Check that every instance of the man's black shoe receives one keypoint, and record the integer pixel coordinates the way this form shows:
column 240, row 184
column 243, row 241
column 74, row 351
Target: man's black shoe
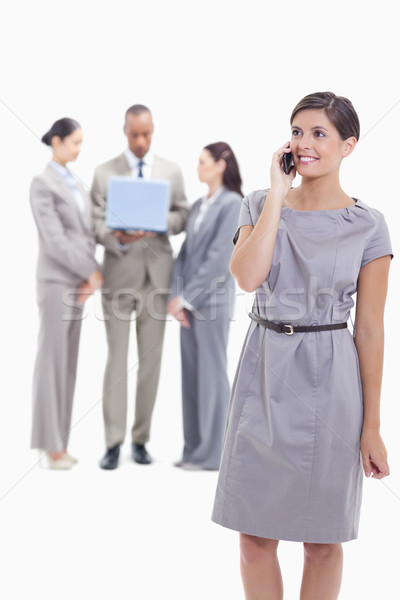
column 110, row 459
column 140, row 454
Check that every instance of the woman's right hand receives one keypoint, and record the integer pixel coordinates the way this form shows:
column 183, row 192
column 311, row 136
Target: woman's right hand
column 95, row 280
column 87, row 288
column 176, row 309
column 84, row 292
column 280, row 182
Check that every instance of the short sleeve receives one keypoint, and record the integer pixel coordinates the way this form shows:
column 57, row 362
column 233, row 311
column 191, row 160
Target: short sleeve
column 378, row 244
column 244, row 217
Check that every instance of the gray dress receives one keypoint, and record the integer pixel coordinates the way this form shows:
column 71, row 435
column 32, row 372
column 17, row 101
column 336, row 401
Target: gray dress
column 291, row 467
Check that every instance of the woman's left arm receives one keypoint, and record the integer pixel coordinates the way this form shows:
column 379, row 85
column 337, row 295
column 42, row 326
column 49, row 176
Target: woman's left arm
column 369, row 340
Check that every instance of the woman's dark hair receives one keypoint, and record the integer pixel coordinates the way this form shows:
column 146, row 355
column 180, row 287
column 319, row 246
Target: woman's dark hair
column 62, row 128
column 231, row 178
column 338, row 109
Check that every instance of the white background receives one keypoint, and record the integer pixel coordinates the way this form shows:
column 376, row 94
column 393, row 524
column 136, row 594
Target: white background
column 209, row 71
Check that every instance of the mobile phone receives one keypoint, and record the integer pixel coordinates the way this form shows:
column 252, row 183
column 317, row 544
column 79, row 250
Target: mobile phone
column 288, row 162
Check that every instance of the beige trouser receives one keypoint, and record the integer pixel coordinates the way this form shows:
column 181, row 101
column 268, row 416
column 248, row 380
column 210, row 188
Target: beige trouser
column 55, row 366
column 149, row 306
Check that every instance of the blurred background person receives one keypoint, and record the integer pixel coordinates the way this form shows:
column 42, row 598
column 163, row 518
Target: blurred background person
column 137, row 278
column 202, row 300
column 67, row 273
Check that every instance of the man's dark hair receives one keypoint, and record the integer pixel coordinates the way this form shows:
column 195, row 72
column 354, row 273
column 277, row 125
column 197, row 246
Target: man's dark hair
column 137, row 109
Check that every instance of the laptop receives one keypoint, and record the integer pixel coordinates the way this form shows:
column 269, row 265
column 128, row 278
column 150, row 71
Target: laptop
column 137, row 204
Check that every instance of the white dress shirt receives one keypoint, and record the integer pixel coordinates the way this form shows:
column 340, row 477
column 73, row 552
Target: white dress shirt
column 133, row 162
column 205, row 205
column 70, row 180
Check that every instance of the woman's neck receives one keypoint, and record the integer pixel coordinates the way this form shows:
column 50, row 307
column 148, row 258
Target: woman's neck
column 214, row 186
column 323, row 193
column 58, row 160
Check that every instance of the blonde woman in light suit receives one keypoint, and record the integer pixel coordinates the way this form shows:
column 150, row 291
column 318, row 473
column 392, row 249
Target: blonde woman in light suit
column 67, row 273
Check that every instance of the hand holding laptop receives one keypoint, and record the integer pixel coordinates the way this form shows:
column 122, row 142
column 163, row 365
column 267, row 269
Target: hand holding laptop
column 128, row 238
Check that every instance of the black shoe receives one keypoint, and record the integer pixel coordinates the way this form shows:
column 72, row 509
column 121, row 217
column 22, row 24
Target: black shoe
column 110, row 459
column 140, row 454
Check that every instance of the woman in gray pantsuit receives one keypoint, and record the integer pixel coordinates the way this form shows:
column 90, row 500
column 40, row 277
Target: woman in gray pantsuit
column 203, row 296
column 306, row 394
column 66, row 274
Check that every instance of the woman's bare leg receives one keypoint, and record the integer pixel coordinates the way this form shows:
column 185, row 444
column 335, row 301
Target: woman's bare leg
column 259, row 566
column 322, row 575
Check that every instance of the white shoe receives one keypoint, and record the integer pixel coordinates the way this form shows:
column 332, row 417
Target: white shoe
column 188, row 466
column 71, row 458
column 60, row 464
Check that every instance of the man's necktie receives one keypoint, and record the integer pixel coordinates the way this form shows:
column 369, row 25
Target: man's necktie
column 140, row 165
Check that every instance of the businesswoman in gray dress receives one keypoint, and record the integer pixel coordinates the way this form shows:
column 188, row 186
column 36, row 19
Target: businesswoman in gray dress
column 202, row 299
column 304, row 415
column 67, row 273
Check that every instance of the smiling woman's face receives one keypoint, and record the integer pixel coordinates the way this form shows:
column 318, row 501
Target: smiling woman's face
column 316, row 145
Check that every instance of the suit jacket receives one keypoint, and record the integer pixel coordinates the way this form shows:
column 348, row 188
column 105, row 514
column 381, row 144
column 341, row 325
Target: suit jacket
column 151, row 256
column 66, row 242
column 201, row 271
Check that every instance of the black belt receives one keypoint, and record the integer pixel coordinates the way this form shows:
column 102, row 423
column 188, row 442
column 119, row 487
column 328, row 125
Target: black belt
column 291, row 329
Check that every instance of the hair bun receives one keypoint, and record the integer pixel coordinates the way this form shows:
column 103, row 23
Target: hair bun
column 62, row 128
column 46, row 139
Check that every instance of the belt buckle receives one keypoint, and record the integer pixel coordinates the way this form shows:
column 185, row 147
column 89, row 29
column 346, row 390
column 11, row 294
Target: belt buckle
column 290, row 332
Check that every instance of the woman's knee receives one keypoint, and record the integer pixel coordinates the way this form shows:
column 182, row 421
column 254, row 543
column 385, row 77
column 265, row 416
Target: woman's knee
column 322, row 552
column 254, row 548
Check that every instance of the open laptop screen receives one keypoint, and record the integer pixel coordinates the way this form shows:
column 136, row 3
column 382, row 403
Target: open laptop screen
column 137, row 204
